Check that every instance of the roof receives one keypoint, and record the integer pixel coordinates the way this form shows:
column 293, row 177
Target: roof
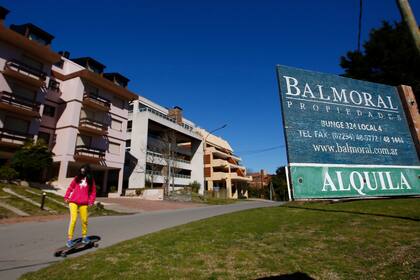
column 35, row 29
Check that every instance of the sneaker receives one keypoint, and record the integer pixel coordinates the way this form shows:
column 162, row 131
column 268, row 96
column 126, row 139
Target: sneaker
column 85, row 240
column 69, row 243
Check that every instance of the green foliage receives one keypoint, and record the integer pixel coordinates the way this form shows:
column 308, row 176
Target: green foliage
column 194, row 186
column 31, row 159
column 8, row 173
column 139, row 191
column 389, row 57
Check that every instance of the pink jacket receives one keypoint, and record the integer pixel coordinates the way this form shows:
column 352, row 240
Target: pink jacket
column 81, row 193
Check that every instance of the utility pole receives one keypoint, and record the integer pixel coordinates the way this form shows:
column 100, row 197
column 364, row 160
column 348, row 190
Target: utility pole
column 409, row 19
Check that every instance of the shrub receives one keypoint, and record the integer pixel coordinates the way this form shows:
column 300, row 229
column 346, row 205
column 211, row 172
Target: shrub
column 195, row 186
column 31, row 159
column 8, row 173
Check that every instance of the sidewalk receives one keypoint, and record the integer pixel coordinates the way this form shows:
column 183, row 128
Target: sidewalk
column 137, row 205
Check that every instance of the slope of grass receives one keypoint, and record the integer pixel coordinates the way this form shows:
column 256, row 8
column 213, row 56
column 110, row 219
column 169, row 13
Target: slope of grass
column 35, row 210
column 377, row 239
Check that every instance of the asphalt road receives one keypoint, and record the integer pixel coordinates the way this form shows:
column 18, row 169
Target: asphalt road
column 30, row 246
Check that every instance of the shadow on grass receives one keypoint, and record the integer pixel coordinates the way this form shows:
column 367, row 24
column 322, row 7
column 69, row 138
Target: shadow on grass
column 354, row 212
column 293, row 276
column 28, row 265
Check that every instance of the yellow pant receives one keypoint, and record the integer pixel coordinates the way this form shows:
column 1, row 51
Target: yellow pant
column 83, row 209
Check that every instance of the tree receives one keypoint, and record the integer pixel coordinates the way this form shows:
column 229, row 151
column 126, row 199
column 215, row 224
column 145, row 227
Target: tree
column 31, row 159
column 280, row 184
column 389, row 57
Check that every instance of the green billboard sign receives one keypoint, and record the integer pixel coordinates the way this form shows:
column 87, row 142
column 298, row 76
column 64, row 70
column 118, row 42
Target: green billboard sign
column 345, row 137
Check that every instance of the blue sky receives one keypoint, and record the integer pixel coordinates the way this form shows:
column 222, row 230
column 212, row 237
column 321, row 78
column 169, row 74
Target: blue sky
column 215, row 59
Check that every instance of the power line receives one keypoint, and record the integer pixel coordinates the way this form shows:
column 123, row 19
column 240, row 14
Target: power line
column 250, row 152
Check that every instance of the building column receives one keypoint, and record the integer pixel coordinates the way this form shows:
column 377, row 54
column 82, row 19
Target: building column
column 210, row 185
column 120, row 181
column 229, row 187
column 229, row 184
column 62, row 173
column 105, row 182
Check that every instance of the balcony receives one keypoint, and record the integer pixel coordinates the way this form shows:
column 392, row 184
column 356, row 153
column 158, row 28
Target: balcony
column 96, row 102
column 20, row 105
column 10, row 138
column 24, row 73
column 93, row 127
column 86, row 153
column 151, row 154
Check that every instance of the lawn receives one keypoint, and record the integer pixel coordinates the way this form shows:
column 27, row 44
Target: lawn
column 373, row 239
column 35, row 195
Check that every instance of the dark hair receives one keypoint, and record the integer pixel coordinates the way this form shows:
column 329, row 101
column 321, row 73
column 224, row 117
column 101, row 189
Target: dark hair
column 88, row 175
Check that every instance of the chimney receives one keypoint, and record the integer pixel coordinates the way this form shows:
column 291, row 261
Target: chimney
column 176, row 113
column 3, row 14
column 65, row 54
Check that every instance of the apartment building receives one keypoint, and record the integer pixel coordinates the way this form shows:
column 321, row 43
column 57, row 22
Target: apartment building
column 26, row 60
column 79, row 110
column 162, row 148
column 260, row 179
column 222, row 169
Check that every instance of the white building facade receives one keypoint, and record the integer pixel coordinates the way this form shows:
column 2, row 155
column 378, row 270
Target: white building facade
column 162, row 148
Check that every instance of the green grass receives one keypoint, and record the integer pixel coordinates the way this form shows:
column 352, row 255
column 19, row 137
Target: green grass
column 35, row 210
column 211, row 200
column 377, row 239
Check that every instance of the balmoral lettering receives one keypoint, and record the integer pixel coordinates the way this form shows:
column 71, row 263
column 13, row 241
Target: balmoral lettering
column 343, row 96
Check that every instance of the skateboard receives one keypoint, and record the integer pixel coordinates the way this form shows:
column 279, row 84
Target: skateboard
column 77, row 246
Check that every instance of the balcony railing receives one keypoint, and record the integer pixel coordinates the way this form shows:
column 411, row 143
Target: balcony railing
column 87, row 151
column 182, row 176
column 97, row 100
column 93, row 126
column 18, row 101
column 91, row 122
column 25, row 69
column 159, row 173
column 14, row 137
column 154, row 154
column 151, row 172
column 166, row 117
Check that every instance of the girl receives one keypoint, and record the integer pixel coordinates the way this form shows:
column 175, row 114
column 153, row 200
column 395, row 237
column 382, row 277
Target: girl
column 80, row 194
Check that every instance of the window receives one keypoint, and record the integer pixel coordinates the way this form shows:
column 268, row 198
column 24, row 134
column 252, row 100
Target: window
column 114, row 148
column 16, row 125
column 84, row 140
column 116, row 124
column 49, row 111
column 54, row 85
column 129, row 126
column 128, row 145
column 59, row 64
column 130, row 107
column 45, row 137
column 36, row 38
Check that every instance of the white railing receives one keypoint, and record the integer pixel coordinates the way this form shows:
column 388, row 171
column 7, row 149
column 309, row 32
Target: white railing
column 154, row 154
column 166, row 117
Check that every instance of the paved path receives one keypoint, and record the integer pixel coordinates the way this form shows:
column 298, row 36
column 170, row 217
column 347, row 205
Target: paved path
column 28, row 247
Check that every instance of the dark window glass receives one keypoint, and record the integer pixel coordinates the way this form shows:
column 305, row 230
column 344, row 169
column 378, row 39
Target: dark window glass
column 49, row 111
column 54, row 85
column 60, row 64
column 44, row 136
